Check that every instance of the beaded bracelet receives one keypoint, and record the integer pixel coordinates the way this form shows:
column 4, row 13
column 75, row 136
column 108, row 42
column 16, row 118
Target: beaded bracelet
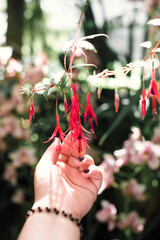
column 63, row 213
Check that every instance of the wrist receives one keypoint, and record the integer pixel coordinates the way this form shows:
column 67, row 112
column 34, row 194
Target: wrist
column 59, row 217
column 45, row 202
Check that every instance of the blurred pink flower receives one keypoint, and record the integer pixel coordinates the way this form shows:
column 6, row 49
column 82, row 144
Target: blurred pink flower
column 132, row 220
column 10, row 174
column 33, row 74
column 137, row 151
column 6, row 107
column 156, row 136
column 11, row 125
column 41, row 60
column 146, row 151
column 18, row 197
column 108, row 168
column 134, row 189
column 24, row 155
column 107, row 214
column 13, row 68
column 123, row 155
column 17, row 99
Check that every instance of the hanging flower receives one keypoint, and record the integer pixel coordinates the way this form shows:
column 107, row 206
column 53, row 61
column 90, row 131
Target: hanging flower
column 154, row 108
column 74, row 110
column 76, row 98
column 31, row 112
column 116, row 102
column 74, row 114
column 143, row 104
column 89, row 113
column 79, row 136
column 57, row 133
column 153, row 88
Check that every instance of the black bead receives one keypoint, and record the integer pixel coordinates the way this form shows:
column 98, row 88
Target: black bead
column 64, row 213
column 39, row 209
column 72, row 219
column 32, row 210
column 48, row 209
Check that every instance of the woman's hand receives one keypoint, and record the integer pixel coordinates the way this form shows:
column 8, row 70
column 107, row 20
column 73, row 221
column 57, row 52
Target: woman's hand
column 68, row 181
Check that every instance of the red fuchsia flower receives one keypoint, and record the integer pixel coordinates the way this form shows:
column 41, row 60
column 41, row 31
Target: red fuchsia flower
column 89, row 113
column 74, row 114
column 153, row 88
column 57, row 133
column 116, row 102
column 75, row 111
column 76, row 98
column 154, row 108
column 31, row 112
column 79, row 136
column 143, row 104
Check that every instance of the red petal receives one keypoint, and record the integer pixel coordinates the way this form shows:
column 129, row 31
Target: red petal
column 154, row 110
column 57, row 130
column 143, row 104
column 116, row 102
column 31, row 112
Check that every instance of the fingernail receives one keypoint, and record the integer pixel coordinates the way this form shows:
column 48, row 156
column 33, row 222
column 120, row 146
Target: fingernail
column 80, row 158
column 85, row 171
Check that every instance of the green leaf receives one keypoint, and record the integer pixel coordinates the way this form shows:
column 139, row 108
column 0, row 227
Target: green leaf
column 155, row 22
column 46, row 92
column 84, row 65
column 63, row 82
column 93, row 36
column 86, row 45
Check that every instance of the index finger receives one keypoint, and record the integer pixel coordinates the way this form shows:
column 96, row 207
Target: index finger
column 52, row 153
column 71, row 149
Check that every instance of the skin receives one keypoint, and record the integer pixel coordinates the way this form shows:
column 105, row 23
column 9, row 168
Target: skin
column 60, row 181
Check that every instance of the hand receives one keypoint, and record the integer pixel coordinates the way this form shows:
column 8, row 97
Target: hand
column 68, row 181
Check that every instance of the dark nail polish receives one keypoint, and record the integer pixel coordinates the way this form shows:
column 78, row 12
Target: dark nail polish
column 80, row 158
column 85, row 170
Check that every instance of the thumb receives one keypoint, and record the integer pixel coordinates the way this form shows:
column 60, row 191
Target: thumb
column 51, row 154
